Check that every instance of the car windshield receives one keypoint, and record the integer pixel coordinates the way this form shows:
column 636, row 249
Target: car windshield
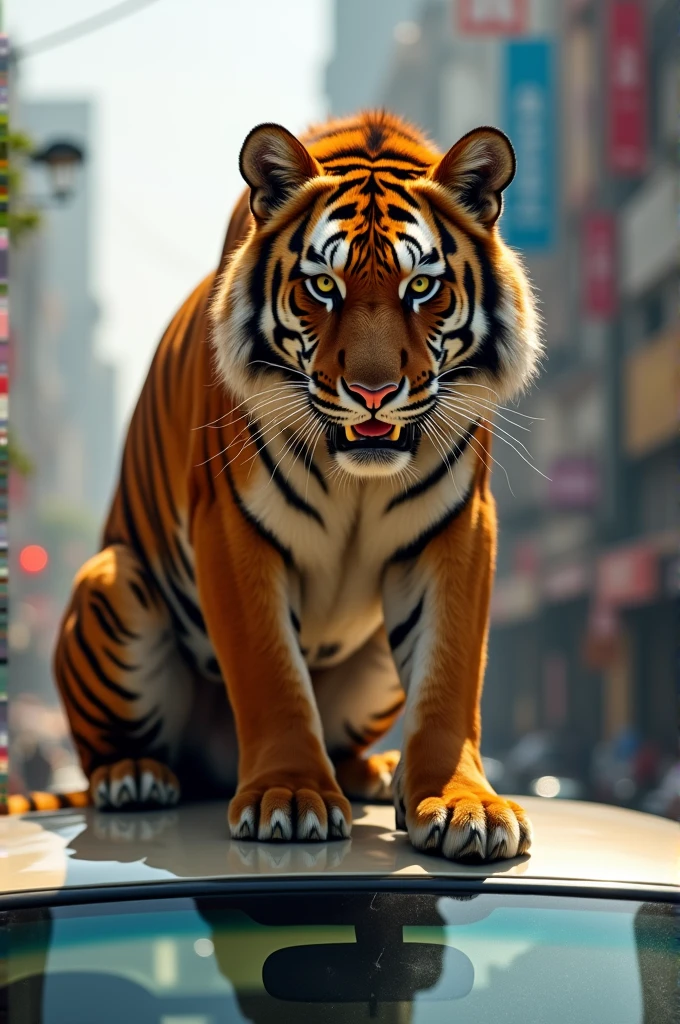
column 343, row 956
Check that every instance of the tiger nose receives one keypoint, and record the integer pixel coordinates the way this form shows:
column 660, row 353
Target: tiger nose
column 373, row 397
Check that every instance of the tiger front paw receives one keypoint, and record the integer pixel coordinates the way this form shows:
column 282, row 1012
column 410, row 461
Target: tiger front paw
column 285, row 809
column 466, row 821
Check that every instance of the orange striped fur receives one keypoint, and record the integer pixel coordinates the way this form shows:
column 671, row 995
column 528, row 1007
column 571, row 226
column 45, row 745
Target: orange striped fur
column 302, row 538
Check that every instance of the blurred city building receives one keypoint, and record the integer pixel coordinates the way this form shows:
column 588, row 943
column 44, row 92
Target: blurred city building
column 62, row 400
column 582, row 671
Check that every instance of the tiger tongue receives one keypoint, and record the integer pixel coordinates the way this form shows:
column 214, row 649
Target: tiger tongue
column 373, row 428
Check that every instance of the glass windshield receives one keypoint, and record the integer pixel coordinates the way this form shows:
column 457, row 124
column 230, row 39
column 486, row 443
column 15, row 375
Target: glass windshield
column 297, row 957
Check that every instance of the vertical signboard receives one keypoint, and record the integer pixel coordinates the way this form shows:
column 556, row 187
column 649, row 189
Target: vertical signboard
column 493, row 17
column 626, row 107
column 598, row 266
column 579, row 157
column 528, row 221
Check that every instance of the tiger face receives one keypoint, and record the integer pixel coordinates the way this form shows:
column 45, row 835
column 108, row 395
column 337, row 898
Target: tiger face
column 375, row 290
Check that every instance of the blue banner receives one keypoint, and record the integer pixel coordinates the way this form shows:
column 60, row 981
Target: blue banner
column 530, row 119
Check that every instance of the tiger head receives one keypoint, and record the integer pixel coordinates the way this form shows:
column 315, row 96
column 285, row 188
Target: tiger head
column 373, row 300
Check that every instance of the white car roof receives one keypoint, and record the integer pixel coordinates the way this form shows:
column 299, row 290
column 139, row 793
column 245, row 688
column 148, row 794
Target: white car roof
column 574, row 843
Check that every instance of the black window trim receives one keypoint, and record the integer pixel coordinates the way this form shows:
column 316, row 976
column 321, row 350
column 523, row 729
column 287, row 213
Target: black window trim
column 316, row 886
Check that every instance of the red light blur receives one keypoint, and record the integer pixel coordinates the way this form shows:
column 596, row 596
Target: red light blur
column 33, row 558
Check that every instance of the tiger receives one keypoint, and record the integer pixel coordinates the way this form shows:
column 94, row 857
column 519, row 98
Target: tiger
column 301, row 544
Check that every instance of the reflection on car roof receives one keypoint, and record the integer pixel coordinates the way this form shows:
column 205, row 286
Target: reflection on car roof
column 573, row 843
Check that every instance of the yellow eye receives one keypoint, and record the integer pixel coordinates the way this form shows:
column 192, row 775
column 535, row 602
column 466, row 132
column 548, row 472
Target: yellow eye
column 420, row 284
column 324, row 283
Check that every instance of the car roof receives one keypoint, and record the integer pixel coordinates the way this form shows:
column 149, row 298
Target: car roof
column 574, row 842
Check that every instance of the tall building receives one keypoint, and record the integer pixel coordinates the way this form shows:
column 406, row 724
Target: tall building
column 62, row 393
column 69, row 375
column 363, row 41
column 583, row 610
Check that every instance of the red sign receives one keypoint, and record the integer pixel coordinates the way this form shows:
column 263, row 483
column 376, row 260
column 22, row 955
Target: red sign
column 493, row 17
column 628, row 576
column 626, row 88
column 599, row 266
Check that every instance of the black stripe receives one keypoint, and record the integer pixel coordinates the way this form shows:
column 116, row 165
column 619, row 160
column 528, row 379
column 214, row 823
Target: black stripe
column 189, row 607
column 338, row 192
column 400, row 632
column 402, row 173
column 322, row 386
column 99, row 596
column 327, row 650
column 290, row 495
column 123, row 665
column 363, row 738
column 417, row 546
column 186, row 564
column 397, row 706
column 296, row 622
column 139, row 593
column 399, row 214
column 285, row 553
column 346, row 212
column 336, row 407
column 126, row 724
column 297, row 238
column 421, row 402
column 406, row 660
column 159, row 453
column 337, row 236
column 436, row 475
column 361, row 154
column 73, row 701
column 135, row 541
column 400, row 191
column 300, row 448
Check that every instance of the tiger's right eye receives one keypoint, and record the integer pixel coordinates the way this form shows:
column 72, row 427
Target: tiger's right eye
column 323, row 288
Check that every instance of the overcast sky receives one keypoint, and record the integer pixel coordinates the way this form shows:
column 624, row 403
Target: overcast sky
column 177, row 86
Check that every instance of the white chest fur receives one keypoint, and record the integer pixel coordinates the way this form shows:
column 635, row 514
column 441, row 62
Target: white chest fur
column 341, row 533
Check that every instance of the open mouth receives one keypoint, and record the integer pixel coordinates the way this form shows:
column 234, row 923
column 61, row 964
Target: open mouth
column 372, row 434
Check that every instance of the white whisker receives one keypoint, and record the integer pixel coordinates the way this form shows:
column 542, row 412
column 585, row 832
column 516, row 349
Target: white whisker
column 258, row 394
column 290, row 406
column 503, row 435
column 281, row 369
column 488, row 407
column 478, row 445
column 471, row 411
column 505, row 408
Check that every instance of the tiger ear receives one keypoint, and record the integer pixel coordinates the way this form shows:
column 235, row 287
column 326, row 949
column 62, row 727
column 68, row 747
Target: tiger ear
column 476, row 170
column 274, row 163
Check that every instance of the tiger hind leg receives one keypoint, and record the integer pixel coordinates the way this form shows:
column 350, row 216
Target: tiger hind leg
column 368, row 778
column 125, row 688
column 359, row 701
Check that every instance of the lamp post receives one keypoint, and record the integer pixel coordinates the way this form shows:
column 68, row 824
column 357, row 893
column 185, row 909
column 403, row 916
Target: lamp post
column 61, row 159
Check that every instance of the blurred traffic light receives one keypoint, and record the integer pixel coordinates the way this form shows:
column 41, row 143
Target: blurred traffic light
column 33, row 558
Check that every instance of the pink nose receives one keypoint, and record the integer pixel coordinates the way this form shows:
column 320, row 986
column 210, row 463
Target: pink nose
column 373, row 397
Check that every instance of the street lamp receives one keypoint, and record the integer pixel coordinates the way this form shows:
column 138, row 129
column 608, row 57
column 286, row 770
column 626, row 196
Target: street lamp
column 62, row 160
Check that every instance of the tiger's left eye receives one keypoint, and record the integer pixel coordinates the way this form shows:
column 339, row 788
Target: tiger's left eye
column 422, row 288
column 420, row 284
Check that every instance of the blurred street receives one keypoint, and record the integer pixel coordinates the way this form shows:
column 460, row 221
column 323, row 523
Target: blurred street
column 581, row 697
